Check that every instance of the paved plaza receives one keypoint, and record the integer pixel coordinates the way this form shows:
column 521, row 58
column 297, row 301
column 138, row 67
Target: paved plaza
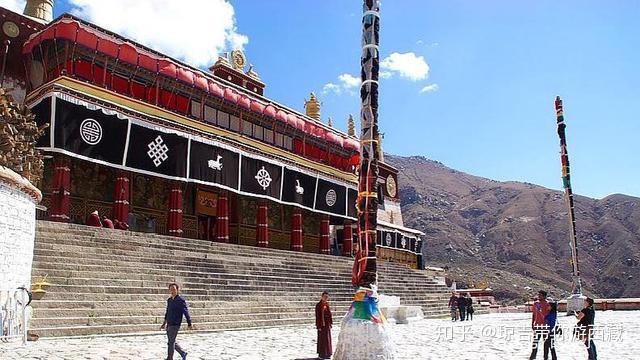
column 496, row 336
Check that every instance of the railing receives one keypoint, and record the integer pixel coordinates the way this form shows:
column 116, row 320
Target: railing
column 15, row 314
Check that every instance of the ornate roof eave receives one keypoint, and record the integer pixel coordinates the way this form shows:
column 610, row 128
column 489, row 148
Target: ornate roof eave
column 239, row 89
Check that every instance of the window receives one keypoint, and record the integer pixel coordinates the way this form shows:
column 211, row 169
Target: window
column 268, row 136
column 223, row 119
column 234, row 123
column 196, row 110
column 209, row 114
column 279, row 140
column 247, row 128
column 258, row 132
column 288, row 143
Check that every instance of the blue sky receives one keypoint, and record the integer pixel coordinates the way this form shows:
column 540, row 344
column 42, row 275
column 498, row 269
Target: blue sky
column 494, row 68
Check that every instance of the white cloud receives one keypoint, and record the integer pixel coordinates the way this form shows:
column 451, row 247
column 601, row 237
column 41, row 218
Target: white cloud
column 13, row 5
column 346, row 83
column 385, row 74
column 331, row 88
column 407, row 65
column 429, row 88
column 195, row 31
column 349, row 81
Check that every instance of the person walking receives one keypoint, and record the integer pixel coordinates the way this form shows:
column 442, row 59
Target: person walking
column 469, row 307
column 324, row 320
column 462, row 307
column 550, row 340
column 176, row 308
column 453, row 305
column 586, row 319
column 538, row 321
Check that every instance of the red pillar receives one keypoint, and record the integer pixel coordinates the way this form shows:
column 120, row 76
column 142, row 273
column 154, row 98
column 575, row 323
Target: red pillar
column 174, row 223
column 296, row 229
column 222, row 222
column 262, row 225
column 347, row 238
column 120, row 209
column 324, row 235
column 60, row 187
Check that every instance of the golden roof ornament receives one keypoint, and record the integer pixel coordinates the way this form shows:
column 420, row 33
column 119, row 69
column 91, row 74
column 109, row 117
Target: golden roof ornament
column 312, row 107
column 39, row 9
column 252, row 73
column 223, row 60
column 352, row 126
column 18, row 135
column 238, row 60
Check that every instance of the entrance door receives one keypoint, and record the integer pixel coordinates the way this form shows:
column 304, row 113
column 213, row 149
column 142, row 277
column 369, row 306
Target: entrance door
column 207, row 227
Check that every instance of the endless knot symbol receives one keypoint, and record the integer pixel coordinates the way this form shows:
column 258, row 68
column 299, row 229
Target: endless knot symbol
column 90, row 131
column 263, row 177
column 331, row 197
column 158, row 151
column 387, row 239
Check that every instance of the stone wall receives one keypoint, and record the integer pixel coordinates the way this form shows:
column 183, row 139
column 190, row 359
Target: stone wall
column 17, row 230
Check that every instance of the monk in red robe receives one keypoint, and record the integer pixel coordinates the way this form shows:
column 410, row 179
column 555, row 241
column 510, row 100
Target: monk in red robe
column 324, row 320
column 94, row 219
column 106, row 222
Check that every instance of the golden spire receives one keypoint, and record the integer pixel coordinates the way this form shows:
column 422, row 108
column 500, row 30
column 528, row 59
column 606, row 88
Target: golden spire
column 352, row 126
column 312, row 107
column 39, row 9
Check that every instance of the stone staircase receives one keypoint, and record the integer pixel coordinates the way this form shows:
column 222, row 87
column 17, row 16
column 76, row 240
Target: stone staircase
column 109, row 281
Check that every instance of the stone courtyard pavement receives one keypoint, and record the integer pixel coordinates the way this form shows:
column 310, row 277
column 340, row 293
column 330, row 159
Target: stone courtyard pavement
column 496, row 336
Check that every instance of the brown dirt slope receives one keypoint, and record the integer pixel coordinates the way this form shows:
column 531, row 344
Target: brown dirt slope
column 514, row 236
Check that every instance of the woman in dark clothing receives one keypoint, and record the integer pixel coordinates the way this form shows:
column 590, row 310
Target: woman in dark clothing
column 550, row 341
column 586, row 318
column 469, row 307
column 453, row 305
column 462, row 307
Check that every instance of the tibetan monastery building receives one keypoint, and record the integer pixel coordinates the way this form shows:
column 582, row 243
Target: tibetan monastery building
column 168, row 148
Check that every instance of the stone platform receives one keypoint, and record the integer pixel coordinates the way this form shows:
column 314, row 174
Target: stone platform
column 110, row 281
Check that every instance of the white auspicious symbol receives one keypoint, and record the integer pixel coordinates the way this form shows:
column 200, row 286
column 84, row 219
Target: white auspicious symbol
column 331, row 197
column 90, row 131
column 404, row 243
column 158, row 151
column 263, row 177
column 215, row 164
column 299, row 189
column 387, row 239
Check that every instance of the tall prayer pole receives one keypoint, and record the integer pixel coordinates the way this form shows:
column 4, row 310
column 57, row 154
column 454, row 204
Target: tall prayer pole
column 363, row 334
column 574, row 302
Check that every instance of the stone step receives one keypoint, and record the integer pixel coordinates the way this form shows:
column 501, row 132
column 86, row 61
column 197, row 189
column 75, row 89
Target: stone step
column 161, row 304
column 106, row 281
column 154, row 328
column 252, row 308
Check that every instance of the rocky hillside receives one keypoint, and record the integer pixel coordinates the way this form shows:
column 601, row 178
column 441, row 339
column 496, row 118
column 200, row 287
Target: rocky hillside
column 514, row 236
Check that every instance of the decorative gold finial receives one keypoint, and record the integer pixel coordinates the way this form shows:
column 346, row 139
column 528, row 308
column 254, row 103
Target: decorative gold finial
column 312, row 107
column 352, row 126
column 238, row 60
column 252, row 73
column 223, row 59
column 39, row 9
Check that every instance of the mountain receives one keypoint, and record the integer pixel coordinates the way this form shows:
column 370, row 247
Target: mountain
column 514, row 237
